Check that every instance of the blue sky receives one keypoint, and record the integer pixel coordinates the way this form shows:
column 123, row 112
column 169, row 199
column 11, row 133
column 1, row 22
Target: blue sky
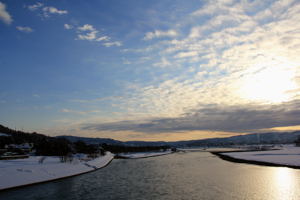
column 149, row 70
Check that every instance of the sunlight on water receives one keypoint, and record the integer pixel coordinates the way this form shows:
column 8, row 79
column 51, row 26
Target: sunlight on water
column 284, row 180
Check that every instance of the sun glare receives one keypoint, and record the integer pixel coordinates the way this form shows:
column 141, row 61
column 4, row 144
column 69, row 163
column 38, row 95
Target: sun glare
column 269, row 84
column 284, row 183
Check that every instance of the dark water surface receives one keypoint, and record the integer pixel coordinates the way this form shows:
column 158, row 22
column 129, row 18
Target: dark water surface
column 197, row 175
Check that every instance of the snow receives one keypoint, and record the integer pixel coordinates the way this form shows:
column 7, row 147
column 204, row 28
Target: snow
column 20, row 172
column 288, row 155
column 144, row 154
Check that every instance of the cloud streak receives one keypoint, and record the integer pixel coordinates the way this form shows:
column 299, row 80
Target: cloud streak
column 159, row 34
column 90, row 33
column 213, row 118
column 79, row 112
column 52, row 10
column 46, row 11
column 68, row 26
column 35, row 6
column 24, row 29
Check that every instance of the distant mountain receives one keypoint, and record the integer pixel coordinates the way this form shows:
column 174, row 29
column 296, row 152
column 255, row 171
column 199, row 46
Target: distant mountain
column 254, row 138
column 112, row 141
column 92, row 140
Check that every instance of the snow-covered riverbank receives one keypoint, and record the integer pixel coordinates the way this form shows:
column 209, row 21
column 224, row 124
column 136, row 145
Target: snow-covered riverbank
column 288, row 155
column 143, row 154
column 19, row 172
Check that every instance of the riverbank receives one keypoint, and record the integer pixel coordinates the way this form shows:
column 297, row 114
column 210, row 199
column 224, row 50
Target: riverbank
column 287, row 156
column 29, row 171
column 142, row 155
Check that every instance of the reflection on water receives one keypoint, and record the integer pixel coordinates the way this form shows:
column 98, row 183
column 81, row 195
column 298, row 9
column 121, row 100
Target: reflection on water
column 284, row 181
column 195, row 175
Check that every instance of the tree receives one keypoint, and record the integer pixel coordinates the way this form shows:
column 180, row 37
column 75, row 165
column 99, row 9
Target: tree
column 297, row 142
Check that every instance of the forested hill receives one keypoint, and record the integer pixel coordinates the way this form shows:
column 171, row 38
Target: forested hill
column 20, row 137
column 44, row 145
column 63, row 145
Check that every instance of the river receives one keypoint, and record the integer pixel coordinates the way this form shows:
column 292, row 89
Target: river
column 193, row 175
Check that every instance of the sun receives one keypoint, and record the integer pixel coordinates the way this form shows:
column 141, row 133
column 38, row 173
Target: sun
column 270, row 84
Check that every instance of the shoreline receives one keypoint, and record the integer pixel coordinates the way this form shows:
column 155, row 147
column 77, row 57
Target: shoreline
column 78, row 174
column 56, row 179
column 141, row 157
column 253, row 162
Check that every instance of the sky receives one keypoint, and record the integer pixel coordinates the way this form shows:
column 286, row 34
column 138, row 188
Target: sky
column 150, row 70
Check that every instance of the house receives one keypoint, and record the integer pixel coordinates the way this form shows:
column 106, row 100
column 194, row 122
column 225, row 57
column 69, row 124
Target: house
column 4, row 135
column 25, row 147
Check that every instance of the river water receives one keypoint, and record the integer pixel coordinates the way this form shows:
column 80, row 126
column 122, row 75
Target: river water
column 194, row 175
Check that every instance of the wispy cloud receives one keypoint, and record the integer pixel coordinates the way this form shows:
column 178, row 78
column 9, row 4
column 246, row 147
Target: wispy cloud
column 87, row 32
column 35, row 6
column 90, row 36
column 159, row 34
column 79, row 112
column 4, row 15
column 163, row 63
column 186, row 54
column 68, row 26
column 46, row 11
column 25, row 29
column 52, row 10
column 90, row 33
column 110, row 44
column 103, row 38
column 86, row 27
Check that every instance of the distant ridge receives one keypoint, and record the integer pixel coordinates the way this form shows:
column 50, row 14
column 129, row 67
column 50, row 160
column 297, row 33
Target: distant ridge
column 253, row 138
column 112, row 141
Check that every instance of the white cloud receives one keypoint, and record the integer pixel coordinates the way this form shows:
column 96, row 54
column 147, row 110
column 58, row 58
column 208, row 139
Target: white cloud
column 52, row 10
column 103, row 38
column 46, row 11
column 68, row 26
column 24, row 29
column 91, row 36
column 90, row 33
column 110, row 44
column 35, row 6
column 159, row 33
column 163, row 63
column 186, row 54
column 86, row 27
column 202, row 74
column 87, row 32
column 4, row 15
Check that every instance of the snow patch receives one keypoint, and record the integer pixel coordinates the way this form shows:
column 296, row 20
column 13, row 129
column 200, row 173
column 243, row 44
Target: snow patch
column 143, row 154
column 288, row 155
column 20, row 172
